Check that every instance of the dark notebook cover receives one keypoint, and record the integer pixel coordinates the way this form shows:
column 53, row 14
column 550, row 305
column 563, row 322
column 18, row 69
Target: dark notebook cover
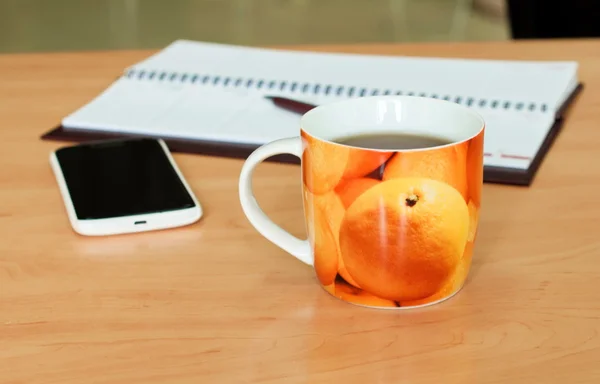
column 499, row 175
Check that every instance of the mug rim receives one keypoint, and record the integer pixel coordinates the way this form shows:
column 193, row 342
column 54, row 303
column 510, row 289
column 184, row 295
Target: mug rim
column 460, row 107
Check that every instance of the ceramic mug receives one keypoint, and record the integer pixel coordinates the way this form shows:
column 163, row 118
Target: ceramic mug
column 386, row 228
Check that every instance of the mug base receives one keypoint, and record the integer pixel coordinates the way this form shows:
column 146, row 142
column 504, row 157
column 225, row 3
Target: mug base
column 351, row 295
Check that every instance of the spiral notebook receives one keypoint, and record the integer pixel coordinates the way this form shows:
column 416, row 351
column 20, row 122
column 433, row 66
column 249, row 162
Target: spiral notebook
column 212, row 99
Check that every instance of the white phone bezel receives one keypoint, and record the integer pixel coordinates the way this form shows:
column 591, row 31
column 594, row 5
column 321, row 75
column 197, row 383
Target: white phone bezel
column 128, row 224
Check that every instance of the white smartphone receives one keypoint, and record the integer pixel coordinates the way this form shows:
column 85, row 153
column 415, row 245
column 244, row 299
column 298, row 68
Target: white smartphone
column 123, row 186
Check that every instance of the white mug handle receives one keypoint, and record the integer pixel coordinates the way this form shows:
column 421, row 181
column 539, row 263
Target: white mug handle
column 265, row 226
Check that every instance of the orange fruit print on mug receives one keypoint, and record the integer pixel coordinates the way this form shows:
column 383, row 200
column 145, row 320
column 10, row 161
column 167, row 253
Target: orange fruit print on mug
column 392, row 229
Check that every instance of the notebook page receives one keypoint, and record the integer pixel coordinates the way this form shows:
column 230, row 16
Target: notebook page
column 512, row 140
column 539, row 83
column 199, row 91
column 122, row 105
column 185, row 111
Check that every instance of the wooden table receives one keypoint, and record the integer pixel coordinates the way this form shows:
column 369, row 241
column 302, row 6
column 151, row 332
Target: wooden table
column 215, row 302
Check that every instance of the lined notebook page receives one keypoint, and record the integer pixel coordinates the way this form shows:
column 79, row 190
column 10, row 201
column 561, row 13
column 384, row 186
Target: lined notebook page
column 215, row 92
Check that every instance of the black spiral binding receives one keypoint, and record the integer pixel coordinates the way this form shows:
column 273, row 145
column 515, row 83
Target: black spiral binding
column 317, row 89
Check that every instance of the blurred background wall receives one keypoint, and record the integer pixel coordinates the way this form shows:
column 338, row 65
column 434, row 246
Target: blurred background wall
column 57, row 25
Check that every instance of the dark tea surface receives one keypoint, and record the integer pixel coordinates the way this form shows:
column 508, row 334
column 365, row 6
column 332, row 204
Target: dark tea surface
column 393, row 141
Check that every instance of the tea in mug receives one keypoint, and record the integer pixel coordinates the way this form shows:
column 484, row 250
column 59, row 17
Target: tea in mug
column 394, row 141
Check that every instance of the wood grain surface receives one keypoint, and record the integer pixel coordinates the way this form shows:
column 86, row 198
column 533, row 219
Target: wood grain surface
column 216, row 303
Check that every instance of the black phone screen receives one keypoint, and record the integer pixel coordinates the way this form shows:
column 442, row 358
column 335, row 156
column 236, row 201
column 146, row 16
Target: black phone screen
column 121, row 178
